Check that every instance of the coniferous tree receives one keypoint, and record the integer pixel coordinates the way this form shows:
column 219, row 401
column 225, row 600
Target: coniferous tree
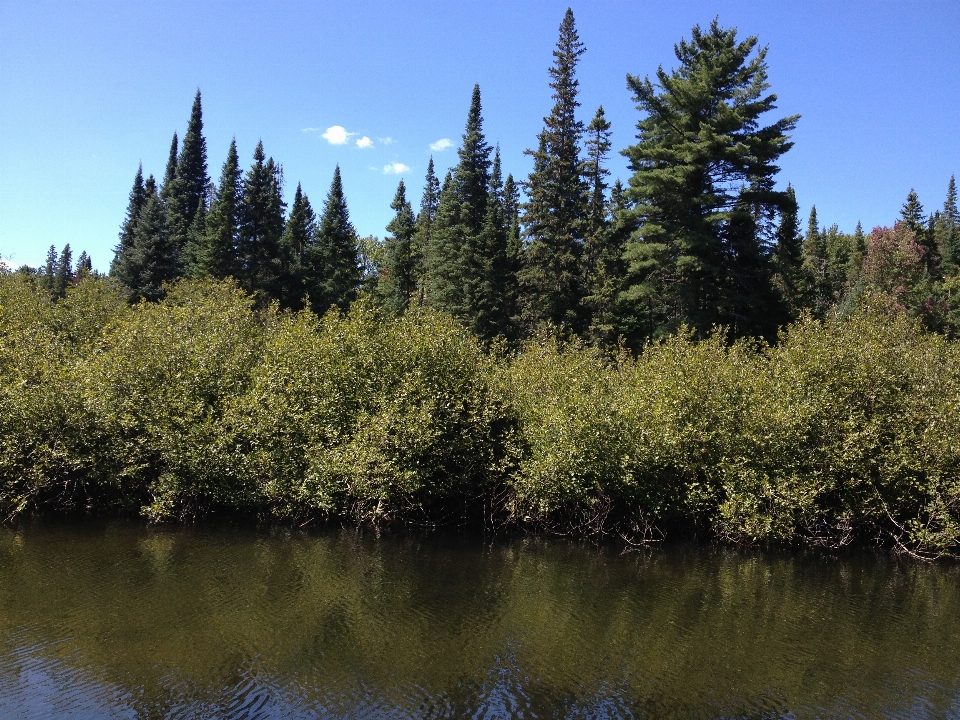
column 491, row 316
column 298, row 236
column 84, row 266
column 947, row 232
column 170, row 174
column 190, row 185
column 219, row 253
column 698, row 256
column 556, row 208
column 49, row 278
column 397, row 282
column 429, row 202
column 64, row 272
column 605, row 279
column 332, row 265
column 596, row 227
column 456, row 258
column 914, row 217
column 816, row 265
column 790, row 277
column 154, row 258
column 138, row 196
column 511, row 214
column 260, row 225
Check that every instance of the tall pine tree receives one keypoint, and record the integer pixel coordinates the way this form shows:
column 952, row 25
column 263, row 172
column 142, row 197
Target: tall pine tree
column 429, row 203
column 332, row 265
column 790, row 277
column 704, row 170
column 190, row 185
column 260, row 224
column 170, row 174
column 154, row 258
column 555, row 213
column 947, row 232
column 913, row 216
column 397, row 278
column 298, row 235
column 138, row 196
column 219, row 254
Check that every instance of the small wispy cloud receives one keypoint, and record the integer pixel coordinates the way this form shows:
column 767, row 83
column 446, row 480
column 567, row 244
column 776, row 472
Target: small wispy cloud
column 8, row 264
column 441, row 144
column 337, row 135
column 395, row 169
column 364, row 142
column 309, row 130
column 386, row 140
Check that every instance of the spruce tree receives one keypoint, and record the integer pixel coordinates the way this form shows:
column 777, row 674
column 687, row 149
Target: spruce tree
column 604, row 281
column 298, row 236
column 913, row 216
column 261, row 224
column 138, row 196
column 84, row 266
column 702, row 187
column 790, row 277
column 491, row 312
column 816, row 264
column 596, row 226
column 457, row 262
column 446, row 255
column 332, row 265
column 64, row 275
column 947, row 232
column 397, row 279
column 48, row 280
column 511, row 214
column 190, row 185
column 154, row 258
column 556, row 209
column 429, row 202
column 219, row 254
column 170, row 175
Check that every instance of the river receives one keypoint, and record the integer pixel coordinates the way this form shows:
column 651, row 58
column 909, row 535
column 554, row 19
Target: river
column 118, row 620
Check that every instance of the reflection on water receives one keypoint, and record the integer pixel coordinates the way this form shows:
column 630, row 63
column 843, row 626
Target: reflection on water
column 118, row 620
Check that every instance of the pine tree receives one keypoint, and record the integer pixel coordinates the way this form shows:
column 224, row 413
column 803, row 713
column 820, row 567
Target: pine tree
column 138, row 196
column 456, row 258
column 816, row 265
column 170, row 175
column 947, row 232
column 446, row 256
column 48, row 280
column 556, row 209
column 511, row 214
column 298, row 235
column 596, row 235
column 64, row 275
column 790, row 277
column 190, row 184
column 605, row 279
column 397, row 280
column 154, row 258
column 219, row 254
column 332, row 266
column 429, row 202
column 698, row 256
column 913, row 216
column 84, row 266
column 261, row 224
column 491, row 316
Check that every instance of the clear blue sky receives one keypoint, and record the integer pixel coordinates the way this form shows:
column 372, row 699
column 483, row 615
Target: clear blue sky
column 88, row 89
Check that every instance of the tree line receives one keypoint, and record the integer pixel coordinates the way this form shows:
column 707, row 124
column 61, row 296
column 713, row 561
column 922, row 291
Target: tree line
column 699, row 237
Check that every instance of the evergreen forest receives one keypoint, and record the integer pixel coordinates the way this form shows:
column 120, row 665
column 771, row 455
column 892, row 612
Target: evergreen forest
column 677, row 355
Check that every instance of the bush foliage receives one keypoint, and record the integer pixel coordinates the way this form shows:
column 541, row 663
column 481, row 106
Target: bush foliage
column 843, row 430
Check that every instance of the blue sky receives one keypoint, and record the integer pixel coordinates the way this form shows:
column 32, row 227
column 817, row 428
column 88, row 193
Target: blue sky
column 89, row 89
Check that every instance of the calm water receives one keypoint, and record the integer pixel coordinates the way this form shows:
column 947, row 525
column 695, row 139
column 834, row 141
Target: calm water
column 118, row 620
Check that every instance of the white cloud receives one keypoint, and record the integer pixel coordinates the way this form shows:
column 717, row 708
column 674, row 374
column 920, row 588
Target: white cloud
column 11, row 266
column 337, row 135
column 309, row 129
column 395, row 169
column 386, row 140
column 364, row 142
column 441, row 144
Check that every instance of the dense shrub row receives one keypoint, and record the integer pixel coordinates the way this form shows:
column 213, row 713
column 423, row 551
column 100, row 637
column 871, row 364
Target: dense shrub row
column 846, row 429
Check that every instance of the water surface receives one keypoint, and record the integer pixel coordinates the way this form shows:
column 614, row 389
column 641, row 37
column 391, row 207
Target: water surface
column 120, row 620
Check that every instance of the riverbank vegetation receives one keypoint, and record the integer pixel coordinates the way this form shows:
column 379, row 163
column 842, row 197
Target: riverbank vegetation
column 563, row 354
column 845, row 429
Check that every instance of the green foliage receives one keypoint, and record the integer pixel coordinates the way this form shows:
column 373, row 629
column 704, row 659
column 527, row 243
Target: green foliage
column 843, row 430
column 398, row 281
column 555, row 214
column 185, row 189
column 330, row 268
column 702, row 190
column 260, row 227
